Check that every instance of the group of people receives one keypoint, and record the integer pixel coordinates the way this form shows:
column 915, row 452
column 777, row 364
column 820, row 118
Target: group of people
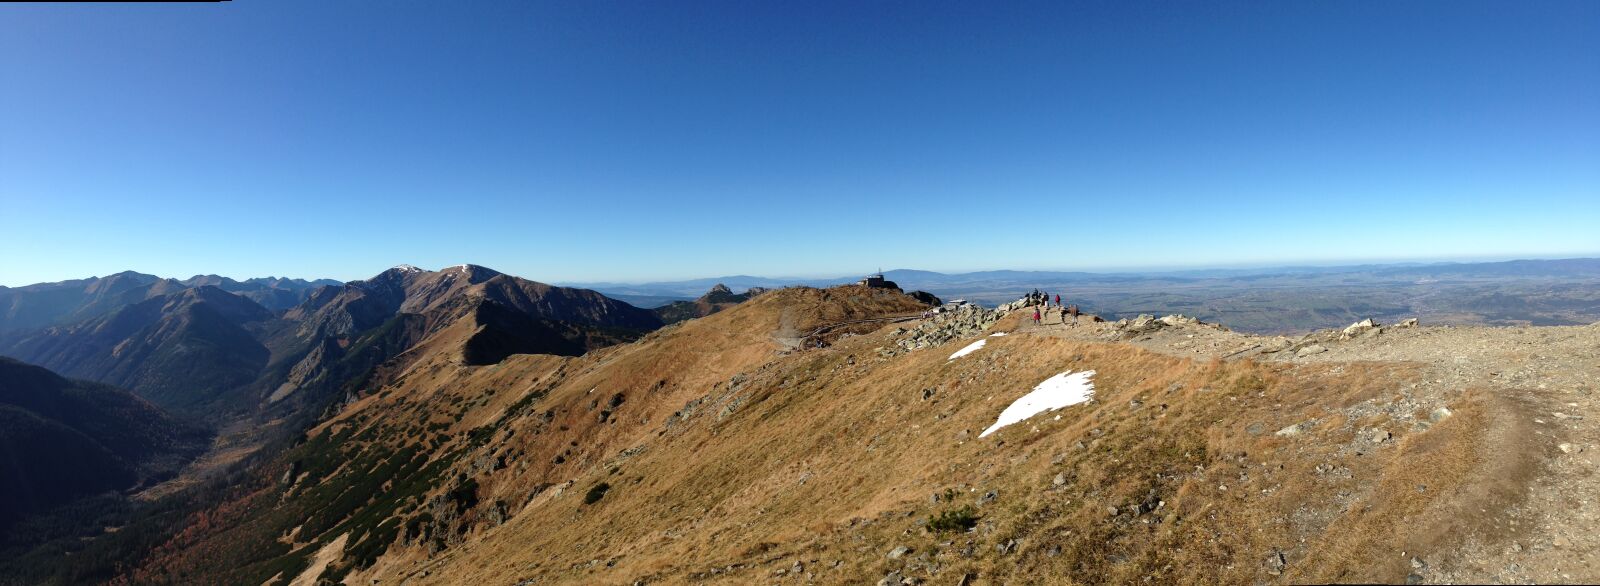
column 1040, row 300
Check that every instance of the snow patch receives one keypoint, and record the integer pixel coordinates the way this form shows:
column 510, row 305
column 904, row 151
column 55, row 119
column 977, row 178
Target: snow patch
column 973, row 347
column 997, row 334
column 1067, row 388
column 407, row 269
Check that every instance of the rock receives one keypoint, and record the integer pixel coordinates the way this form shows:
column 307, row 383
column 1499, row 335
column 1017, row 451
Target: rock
column 1179, row 320
column 1275, row 563
column 1439, row 414
column 1112, row 511
column 1567, row 448
column 1007, row 547
column 1310, row 350
column 891, row 579
column 1418, row 564
column 1255, row 428
column 898, row 552
column 1407, row 323
column 1293, row 430
column 988, row 497
column 1414, row 578
column 1141, row 324
column 1379, row 436
column 1359, row 328
column 1061, row 479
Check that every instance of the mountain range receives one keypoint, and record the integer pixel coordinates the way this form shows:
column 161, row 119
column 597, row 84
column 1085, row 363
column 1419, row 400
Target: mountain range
column 464, row 426
column 211, row 344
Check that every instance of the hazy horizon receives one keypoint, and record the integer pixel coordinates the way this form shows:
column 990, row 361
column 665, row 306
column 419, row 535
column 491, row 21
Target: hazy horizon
column 780, row 275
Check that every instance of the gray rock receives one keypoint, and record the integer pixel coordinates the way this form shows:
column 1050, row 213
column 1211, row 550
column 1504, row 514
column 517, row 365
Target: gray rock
column 1293, row 430
column 1359, row 328
column 898, row 552
column 1006, row 547
column 1060, row 479
column 1275, row 563
column 1310, row 350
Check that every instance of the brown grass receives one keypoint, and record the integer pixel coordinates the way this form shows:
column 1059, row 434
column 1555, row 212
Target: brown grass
column 829, row 457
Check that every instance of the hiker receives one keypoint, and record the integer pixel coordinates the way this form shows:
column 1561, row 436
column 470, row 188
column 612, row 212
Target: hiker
column 1058, row 300
column 1074, row 311
column 1035, row 316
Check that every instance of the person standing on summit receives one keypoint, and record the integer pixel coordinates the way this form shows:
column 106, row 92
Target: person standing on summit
column 1035, row 316
column 1058, row 300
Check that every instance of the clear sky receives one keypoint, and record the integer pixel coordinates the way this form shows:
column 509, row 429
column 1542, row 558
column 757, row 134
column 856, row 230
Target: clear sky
column 642, row 140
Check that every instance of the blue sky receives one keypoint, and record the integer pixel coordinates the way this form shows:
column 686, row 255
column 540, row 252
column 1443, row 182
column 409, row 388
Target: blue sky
column 637, row 141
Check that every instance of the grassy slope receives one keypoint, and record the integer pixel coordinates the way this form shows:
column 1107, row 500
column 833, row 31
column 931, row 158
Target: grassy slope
column 728, row 460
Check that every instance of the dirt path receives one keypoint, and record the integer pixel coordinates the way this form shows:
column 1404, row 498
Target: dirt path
column 1545, row 381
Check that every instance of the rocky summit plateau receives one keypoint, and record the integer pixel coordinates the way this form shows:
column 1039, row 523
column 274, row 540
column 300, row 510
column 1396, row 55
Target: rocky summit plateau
column 466, row 426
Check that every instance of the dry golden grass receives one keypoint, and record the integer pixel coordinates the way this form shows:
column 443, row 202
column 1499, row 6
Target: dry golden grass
column 829, row 457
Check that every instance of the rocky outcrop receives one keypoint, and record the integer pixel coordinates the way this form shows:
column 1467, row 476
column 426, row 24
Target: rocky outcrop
column 1146, row 323
column 926, row 297
column 963, row 321
column 1361, row 327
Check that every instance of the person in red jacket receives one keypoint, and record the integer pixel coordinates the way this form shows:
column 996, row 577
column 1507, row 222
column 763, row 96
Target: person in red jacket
column 1058, row 300
column 1036, row 316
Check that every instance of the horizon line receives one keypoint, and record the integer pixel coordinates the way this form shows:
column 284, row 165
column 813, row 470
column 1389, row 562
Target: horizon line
column 1110, row 270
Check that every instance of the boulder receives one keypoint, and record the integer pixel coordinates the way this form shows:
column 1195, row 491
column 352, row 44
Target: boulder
column 926, row 298
column 1360, row 327
column 1179, row 320
column 1293, row 430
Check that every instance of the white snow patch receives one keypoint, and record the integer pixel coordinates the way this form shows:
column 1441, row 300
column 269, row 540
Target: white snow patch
column 407, row 269
column 973, row 347
column 1067, row 388
column 997, row 334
